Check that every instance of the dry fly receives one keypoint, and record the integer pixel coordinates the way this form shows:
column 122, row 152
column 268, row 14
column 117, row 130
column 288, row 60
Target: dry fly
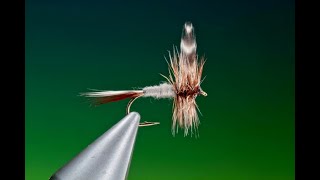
column 183, row 85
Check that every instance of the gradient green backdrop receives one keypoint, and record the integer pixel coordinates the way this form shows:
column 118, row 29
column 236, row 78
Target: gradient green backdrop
column 247, row 127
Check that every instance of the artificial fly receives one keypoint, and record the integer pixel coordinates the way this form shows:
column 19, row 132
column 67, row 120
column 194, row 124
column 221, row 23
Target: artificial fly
column 183, row 85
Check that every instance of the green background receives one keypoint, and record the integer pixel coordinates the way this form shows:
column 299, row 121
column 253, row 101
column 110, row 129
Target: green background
column 247, row 127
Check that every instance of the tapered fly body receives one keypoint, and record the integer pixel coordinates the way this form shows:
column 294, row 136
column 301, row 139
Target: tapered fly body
column 183, row 85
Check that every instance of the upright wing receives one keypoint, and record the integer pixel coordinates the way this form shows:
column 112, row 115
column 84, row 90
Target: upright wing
column 188, row 44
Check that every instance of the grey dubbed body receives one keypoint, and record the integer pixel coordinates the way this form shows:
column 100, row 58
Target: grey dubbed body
column 164, row 90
